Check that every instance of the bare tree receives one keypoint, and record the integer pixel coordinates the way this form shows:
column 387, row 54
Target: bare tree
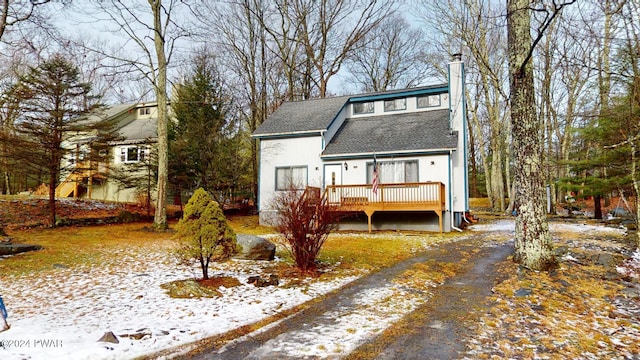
column 629, row 76
column 153, row 31
column 533, row 248
column 243, row 37
column 283, row 31
column 330, row 31
column 12, row 13
column 389, row 56
column 475, row 28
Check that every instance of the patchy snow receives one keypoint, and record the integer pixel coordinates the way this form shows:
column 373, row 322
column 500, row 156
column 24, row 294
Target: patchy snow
column 346, row 327
column 631, row 267
column 585, row 228
column 62, row 314
column 499, row 225
column 508, row 225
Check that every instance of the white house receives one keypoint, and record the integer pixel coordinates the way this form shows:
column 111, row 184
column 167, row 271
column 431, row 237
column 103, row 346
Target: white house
column 136, row 125
column 416, row 137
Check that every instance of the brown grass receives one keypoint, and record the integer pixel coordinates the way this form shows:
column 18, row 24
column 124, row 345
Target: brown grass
column 75, row 246
column 568, row 314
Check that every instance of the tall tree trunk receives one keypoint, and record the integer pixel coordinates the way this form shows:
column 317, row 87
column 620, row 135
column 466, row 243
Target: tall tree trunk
column 497, row 179
column 52, row 200
column 636, row 187
column 597, row 207
column 473, row 165
column 160, row 218
column 533, row 247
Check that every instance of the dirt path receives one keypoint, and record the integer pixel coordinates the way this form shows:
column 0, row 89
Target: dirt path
column 434, row 330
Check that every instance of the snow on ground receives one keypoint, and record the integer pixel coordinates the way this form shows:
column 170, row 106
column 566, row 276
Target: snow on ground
column 631, row 267
column 508, row 225
column 63, row 314
column 378, row 308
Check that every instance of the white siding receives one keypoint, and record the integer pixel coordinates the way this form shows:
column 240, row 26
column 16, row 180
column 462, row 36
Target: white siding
column 356, row 172
column 275, row 153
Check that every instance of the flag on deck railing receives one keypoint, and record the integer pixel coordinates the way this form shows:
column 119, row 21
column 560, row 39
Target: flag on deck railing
column 374, row 181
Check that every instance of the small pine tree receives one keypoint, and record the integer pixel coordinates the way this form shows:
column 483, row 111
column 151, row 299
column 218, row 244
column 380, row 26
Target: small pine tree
column 204, row 233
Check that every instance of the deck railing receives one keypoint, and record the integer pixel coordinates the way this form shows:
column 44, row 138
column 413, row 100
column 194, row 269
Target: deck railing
column 427, row 196
column 413, row 195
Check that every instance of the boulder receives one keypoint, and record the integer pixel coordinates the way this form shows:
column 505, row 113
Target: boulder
column 255, row 248
column 109, row 337
column 12, row 249
column 138, row 334
column 605, row 259
column 523, row 292
column 258, row 281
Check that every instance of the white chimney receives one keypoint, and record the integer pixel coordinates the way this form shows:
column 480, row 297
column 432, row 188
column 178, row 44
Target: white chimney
column 458, row 123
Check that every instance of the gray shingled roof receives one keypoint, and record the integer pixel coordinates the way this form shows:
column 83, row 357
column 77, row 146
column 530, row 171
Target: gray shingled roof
column 315, row 115
column 108, row 112
column 138, row 131
column 397, row 133
column 302, row 116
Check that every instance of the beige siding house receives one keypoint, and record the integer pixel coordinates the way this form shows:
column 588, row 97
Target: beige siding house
column 136, row 125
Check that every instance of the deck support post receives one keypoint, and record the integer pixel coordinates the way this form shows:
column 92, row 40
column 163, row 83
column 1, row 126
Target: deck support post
column 76, row 187
column 369, row 213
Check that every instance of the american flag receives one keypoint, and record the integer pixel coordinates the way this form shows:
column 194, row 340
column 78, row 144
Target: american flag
column 374, row 182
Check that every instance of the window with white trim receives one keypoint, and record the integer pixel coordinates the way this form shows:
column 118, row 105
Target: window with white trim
column 291, row 177
column 77, row 156
column 395, row 104
column 394, row 172
column 363, row 108
column 429, row 101
column 144, row 111
column 132, row 154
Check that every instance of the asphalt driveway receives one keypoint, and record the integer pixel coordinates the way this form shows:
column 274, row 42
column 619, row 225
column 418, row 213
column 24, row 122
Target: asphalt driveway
column 435, row 330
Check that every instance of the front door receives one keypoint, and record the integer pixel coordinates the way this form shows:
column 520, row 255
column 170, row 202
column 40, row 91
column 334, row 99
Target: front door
column 332, row 175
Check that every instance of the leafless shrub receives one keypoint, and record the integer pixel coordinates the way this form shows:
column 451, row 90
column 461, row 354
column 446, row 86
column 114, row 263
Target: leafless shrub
column 305, row 219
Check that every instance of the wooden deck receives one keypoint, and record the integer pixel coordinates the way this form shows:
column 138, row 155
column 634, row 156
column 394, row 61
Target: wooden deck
column 83, row 170
column 429, row 196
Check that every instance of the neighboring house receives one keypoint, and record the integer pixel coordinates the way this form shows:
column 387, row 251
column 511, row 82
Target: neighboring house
column 136, row 125
column 416, row 137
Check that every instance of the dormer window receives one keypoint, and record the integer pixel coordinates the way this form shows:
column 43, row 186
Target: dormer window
column 363, row 108
column 395, row 104
column 429, row 101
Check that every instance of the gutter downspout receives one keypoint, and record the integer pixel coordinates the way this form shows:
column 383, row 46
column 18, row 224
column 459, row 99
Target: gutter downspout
column 464, row 217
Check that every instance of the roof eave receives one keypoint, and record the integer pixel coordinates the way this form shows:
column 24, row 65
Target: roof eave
column 133, row 141
column 291, row 134
column 363, row 155
column 422, row 91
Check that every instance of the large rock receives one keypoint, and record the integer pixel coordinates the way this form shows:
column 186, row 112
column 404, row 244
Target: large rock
column 255, row 248
column 12, row 249
column 109, row 337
